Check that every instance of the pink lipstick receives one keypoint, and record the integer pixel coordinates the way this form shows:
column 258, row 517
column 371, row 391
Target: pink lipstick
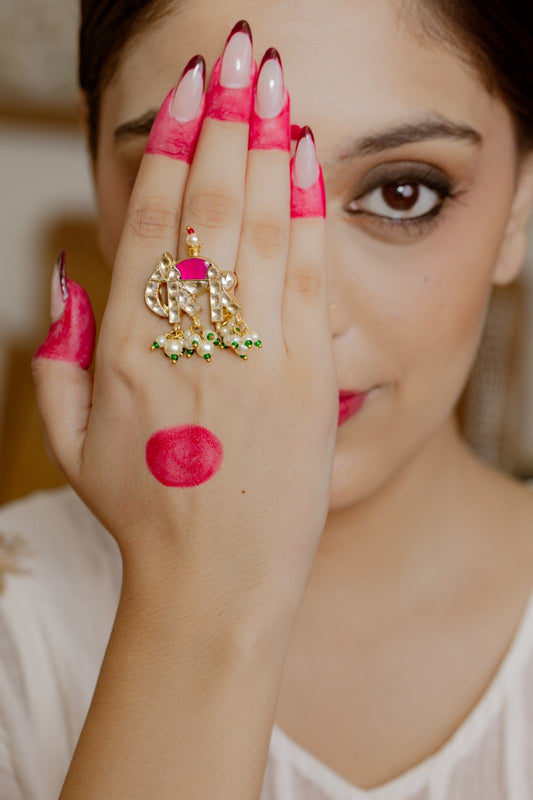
column 349, row 404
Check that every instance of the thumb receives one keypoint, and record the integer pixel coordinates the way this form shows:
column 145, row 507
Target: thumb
column 62, row 383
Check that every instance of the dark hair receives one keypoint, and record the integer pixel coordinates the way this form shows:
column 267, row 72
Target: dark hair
column 495, row 36
column 107, row 27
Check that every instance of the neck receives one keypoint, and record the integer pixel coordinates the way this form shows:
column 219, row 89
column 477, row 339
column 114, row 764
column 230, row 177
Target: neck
column 411, row 521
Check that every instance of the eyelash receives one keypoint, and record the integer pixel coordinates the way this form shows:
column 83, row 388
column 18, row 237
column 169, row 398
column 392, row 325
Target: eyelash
column 423, row 176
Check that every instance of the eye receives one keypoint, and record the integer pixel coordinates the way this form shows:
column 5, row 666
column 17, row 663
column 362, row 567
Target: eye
column 399, row 200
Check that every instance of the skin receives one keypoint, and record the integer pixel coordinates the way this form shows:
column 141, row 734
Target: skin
column 426, row 557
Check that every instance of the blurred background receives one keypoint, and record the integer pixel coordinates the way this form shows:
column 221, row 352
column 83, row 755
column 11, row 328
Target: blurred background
column 46, row 203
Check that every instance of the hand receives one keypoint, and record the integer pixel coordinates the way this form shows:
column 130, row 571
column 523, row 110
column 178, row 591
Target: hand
column 255, row 524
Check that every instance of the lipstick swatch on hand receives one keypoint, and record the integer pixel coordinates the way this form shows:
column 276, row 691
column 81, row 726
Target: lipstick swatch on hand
column 184, row 456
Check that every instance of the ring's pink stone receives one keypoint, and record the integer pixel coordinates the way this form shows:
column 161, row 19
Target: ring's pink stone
column 194, row 269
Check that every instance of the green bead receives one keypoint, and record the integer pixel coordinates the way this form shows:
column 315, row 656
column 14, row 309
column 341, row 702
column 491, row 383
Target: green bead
column 174, row 357
column 210, row 337
column 248, row 343
column 224, row 346
column 244, row 358
column 207, row 356
column 258, row 343
column 155, row 345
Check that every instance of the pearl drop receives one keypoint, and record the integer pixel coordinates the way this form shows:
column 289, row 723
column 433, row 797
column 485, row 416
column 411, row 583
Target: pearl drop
column 204, row 348
column 225, row 330
column 173, row 347
column 232, row 339
column 242, row 350
column 161, row 341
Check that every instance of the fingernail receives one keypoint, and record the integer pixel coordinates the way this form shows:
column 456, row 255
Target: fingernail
column 58, row 288
column 187, row 100
column 71, row 335
column 306, row 168
column 237, row 59
column 270, row 90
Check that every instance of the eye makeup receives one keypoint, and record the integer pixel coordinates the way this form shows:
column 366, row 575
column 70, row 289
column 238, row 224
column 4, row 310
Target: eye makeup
column 387, row 197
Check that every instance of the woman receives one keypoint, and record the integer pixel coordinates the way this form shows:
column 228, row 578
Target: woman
column 306, row 540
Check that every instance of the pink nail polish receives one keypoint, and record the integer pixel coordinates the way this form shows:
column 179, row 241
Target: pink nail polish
column 72, row 335
column 270, row 122
column 188, row 96
column 237, row 58
column 270, row 88
column 305, row 161
column 230, row 92
column 58, row 288
column 176, row 137
column 308, row 198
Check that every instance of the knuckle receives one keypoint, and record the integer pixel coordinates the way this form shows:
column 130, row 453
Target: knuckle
column 151, row 218
column 120, row 366
column 212, row 208
column 307, row 284
column 266, row 235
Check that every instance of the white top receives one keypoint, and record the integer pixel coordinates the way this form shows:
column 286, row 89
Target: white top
column 55, row 620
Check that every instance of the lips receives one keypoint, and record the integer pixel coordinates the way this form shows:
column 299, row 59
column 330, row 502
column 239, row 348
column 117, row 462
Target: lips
column 349, row 404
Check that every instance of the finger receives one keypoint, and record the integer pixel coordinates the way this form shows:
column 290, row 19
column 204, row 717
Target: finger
column 305, row 297
column 63, row 384
column 214, row 196
column 262, row 257
column 152, row 220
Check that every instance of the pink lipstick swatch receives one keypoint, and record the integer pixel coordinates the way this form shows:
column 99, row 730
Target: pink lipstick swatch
column 71, row 337
column 229, row 105
column 185, row 456
column 172, row 138
column 308, row 202
column 271, row 134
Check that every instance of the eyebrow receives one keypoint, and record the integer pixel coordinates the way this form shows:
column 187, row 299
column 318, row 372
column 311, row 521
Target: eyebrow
column 371, row 144
column 140, row 126
column 410, row 133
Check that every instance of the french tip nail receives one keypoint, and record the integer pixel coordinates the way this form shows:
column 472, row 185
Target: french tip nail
column 306, row 166
column 306, row 131
column 270, row 53
column 59, row 287
column 196, row 61
column 241, row 27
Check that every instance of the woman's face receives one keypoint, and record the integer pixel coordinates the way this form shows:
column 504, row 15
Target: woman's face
column 420, row 171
